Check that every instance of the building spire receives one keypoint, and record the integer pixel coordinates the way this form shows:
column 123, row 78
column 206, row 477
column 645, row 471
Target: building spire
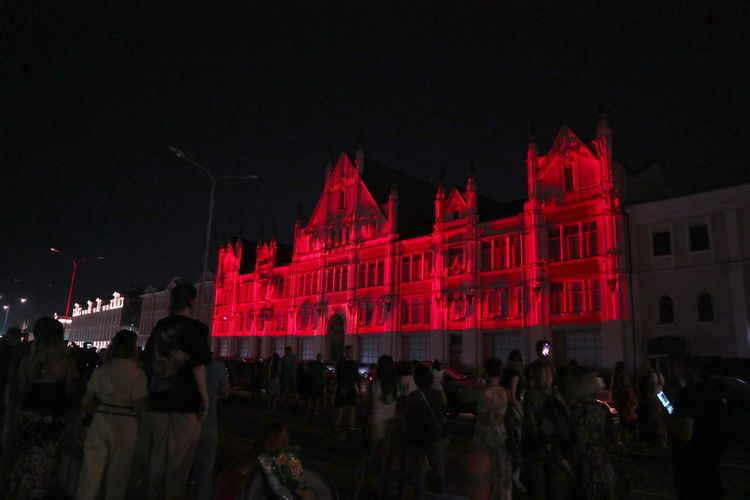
column 533, row 150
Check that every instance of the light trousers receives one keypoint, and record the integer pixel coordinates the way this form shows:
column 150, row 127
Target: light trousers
column 174, row 439
column 107, row 455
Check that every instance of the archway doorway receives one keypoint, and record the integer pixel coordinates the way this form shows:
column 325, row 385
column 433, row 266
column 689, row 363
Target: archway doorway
column 335, row 337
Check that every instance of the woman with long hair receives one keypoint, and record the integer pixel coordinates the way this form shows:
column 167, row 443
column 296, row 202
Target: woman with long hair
column 274, row 382
column 592, row 429
column 45, row 379
column 383, row 399
column 490, row 434
column 120, row 387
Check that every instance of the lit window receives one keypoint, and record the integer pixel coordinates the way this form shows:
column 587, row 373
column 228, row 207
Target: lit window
column 368, row 350
column 705, row 307
column 568, row 178
column 575, row 297
column 662, row 241
column 572, row 242
column 554, row 245
column 699, row 239
column 308, row 349
column 589, row 239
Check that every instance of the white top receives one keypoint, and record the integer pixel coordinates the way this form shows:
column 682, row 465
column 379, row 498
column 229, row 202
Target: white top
column 381, row 411
column 437, row 379
column 117, row 384
column 406, row 385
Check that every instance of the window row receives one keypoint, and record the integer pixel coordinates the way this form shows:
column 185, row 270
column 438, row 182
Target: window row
column 370, row 313
column 501, row 253
column 372, row 273
column 704, row 304
column 575, row 296
column 337, row 279
column 502, row 302
column 698, row 240
column 416, row 266
column 415, row 310
column 307, row 283
column 573, row 241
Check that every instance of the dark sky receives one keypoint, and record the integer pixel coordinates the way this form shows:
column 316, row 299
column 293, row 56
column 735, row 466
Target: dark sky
column 92, row 97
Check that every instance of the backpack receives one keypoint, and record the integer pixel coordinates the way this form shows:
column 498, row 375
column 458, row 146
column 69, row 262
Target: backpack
column 553, row 423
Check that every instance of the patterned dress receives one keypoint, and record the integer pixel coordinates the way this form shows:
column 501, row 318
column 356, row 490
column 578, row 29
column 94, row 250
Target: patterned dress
column 596, row 478
column 490, row 436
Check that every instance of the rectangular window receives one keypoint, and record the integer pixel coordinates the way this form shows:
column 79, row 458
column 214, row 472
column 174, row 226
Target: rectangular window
column 486, row 256
column 243, row 348
column 595, row 299
column 568, row 178
column 362, row 280
column 345, row 279
column 308, row 349
column 414, row 348
column 572, row 242
column 505, row 342
column 341, row 200
column 224, row 347
column 584, row 347
column 362, row 313
column 589, row 239
column 371, row 274
column 416, row 267
column 699, row 239
column 554, row 245
column 405, row 268
column 504, row 302
column 515, row 251
column 555, row 298
column 500, row 254
column 426, row 317
column 662, row 241
column 575, row 297
column 404, row 311
column 381, row 273
column 368, row 350
column 427, row 265
column 455, row 261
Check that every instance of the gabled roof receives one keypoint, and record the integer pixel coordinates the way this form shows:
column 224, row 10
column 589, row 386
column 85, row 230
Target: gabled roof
column 416, row 197
column 564, row 135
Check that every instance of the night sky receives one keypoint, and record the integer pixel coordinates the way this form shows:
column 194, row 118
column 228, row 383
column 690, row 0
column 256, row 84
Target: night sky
column 93, row 96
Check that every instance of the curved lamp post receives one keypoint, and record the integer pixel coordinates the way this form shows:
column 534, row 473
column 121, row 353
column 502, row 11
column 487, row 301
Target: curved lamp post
column 180, row 154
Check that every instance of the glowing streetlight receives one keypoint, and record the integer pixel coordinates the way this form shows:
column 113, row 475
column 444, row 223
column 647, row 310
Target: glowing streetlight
column 77, row 261
column 6, row 308
column 180, row 154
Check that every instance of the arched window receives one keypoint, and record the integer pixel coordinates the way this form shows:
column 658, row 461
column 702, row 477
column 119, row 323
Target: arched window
column 705, row 307
column 666, row 312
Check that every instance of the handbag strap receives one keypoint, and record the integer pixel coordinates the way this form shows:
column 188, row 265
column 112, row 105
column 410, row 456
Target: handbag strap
column 429, row 407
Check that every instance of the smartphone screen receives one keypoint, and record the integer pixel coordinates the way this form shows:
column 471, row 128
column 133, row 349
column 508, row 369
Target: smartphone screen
column 665, row 402
column 545, row 350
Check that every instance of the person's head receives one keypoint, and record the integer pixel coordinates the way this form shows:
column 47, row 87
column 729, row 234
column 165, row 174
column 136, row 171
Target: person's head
column 683, row 367
column 473, row 476
column 47, row 329
column 540, row 375
column 581, row 384
column 404, row 368
column 543, row 348
column 493, row 368
column 124, row 344
column 319, row 356
column 272, row 437
column 348, row 352
column 515, row 360
column 182, row 299
column 288, row 349
column 13, row 336
column 422, row 376
column 437, row 365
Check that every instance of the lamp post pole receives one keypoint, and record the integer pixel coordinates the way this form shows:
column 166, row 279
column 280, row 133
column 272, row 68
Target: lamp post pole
column 5, row 322
column 180, row 154
column 80, row 260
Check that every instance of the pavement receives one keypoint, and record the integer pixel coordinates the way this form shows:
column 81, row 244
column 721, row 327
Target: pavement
column 648, row 469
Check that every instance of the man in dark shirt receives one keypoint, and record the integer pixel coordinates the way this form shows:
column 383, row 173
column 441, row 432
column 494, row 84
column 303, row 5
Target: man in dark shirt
column 695, row 427
column 176, row 356
column 347, row 381
column 289, row 374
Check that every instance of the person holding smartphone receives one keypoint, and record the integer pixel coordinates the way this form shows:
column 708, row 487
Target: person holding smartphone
column 544, row 354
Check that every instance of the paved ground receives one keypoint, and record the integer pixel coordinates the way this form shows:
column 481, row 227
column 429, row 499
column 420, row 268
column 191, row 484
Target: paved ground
column 648, row 469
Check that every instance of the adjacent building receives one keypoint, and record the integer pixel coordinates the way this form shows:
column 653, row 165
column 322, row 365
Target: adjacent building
column 691, row 273
column 155, row 306
column 393, row 264
column 97, row 322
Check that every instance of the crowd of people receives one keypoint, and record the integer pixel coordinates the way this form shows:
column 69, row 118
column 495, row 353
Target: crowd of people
column 541, row 431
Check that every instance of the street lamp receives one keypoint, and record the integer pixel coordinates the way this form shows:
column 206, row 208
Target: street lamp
column 180, row 154
column 6, row 308
column 77, row 261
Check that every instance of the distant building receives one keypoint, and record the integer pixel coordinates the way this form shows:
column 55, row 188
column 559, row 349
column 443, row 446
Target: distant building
column 392, row 264
column 155, row 306
column 691, row 273
column 98, row 322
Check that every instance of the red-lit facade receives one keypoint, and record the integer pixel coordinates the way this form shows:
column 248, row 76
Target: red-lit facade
column 393, row 265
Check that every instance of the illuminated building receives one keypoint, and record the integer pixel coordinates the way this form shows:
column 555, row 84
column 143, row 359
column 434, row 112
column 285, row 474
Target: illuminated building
column 394, row 265
column 98, row 322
